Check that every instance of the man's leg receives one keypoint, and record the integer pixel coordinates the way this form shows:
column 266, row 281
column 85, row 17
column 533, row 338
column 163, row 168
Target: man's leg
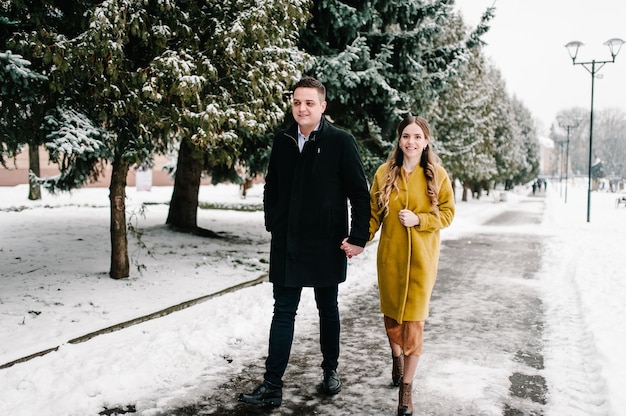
column 330, row 327
column 326, row 299
column 286, row 300
column 270, row 392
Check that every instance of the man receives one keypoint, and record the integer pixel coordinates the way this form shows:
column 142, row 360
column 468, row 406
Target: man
column 314, row 169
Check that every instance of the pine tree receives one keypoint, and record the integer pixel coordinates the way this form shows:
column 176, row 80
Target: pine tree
column 483, row 135
column 28, row 28
column 157, row 72
column 18, row 89
column 381, row 60
column 103, row 71
column 254, row 60
column 528, row 142
column 463, row 121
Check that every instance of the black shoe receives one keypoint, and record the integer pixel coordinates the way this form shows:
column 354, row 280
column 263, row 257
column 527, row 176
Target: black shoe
column 331, row 384
column 267, row 394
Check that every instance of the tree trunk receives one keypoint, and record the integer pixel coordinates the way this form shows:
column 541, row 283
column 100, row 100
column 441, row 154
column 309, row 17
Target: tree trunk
column 34, row 189
column 183, row 212
column 120, row 266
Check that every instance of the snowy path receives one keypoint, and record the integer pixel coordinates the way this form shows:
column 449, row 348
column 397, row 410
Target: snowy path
column 484, row 339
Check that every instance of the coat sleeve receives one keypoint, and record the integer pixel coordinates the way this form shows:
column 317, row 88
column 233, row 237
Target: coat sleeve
column 376, row 218
column 355, row 184
column 436, row 221
column 270, row 191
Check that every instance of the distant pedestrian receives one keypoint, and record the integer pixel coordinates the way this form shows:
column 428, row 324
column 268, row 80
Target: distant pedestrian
column 314, row 170
column 411, row 199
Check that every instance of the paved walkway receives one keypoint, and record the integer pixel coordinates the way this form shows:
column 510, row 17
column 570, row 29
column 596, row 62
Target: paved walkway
column 487, row 283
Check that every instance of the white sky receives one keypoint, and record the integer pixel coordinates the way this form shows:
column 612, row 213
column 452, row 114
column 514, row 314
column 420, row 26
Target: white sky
column 527, row 43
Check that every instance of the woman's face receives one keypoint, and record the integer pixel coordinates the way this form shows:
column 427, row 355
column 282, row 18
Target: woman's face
column 413, row 141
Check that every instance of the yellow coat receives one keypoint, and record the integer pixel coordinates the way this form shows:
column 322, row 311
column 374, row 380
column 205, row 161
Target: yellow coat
column 408, row 257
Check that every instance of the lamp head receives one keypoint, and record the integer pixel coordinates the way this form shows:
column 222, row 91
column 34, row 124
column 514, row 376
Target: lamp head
column 569, row 122
column 614, row 44
column 572, row 48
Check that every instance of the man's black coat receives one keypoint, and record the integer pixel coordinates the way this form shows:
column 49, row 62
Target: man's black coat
column 306, row 206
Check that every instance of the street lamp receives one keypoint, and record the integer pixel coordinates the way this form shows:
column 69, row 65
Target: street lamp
column 568, row 127
column 614, row 44
column 559, row 163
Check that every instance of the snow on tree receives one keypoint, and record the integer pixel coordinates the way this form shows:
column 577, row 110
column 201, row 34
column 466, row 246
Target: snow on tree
column 381, row 60
column 528, row 143
column 29, row 28
column 18, row 84
column 463, row 120
column 103, row 71
column 157, row 73
column 251, row 46
column 483, row 135
column 77, row 146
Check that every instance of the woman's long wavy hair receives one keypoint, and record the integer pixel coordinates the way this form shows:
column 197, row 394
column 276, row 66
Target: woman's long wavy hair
column 428, row 161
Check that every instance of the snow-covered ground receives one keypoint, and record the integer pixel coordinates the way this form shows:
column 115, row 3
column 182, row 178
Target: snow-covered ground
column 54, row 287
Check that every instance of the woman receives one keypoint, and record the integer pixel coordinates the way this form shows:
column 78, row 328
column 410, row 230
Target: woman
column 412, row 199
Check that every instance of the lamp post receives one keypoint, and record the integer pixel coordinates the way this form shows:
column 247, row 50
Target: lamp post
column 559, row 163
column 614, row 44
column 568, row 127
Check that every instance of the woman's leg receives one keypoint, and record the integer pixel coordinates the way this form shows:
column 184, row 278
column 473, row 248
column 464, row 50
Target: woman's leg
column 410, row 367
column 396, row 350
column 397, row 356
column 409, row 336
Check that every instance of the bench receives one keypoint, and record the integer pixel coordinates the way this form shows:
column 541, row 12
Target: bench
column 620, row 200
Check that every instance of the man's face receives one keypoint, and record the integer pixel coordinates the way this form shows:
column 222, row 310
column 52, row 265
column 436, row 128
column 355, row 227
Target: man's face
column 307, row 108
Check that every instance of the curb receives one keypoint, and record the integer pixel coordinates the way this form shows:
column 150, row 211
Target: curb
column 141, row 319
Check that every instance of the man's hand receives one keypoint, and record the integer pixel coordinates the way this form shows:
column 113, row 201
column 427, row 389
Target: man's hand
column 350, row 249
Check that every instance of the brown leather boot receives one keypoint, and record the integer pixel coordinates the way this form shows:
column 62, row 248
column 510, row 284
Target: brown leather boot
column 405, row 399
column 397, row 370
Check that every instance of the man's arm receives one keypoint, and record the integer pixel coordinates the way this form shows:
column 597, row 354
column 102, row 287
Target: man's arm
column 357, row 191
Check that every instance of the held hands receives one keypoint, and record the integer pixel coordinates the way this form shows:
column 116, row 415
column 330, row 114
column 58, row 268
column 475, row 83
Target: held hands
column 408, row 218
column 350, row 249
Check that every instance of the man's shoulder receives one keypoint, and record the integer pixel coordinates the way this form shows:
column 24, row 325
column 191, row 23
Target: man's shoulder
column 332, row 127
column 333, row 131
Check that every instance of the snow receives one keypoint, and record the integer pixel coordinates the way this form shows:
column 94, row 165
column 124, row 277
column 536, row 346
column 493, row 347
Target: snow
column 54, row 287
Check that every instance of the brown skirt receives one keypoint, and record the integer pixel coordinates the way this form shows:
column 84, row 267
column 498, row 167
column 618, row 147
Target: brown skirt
column 409, row 335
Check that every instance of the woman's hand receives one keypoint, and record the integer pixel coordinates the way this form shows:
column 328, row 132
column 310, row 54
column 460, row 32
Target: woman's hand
column 408, row 218
column 350, row 249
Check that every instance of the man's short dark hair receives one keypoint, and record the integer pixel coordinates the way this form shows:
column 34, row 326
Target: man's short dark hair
column 310, row 82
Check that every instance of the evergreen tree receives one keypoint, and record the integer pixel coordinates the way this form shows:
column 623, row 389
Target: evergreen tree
column 154, row 73
column 251, row 48
column 107, row 71
column 18, row 89
column 28, row 28
column 516, row 142
column 464, row 126
column 382, row 59
column 528, row 142
column 484, row 136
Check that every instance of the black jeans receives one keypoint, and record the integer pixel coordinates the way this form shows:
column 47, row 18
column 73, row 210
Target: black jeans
column 286, row 301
